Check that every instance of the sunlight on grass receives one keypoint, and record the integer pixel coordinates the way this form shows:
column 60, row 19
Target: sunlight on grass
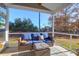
column 13, row 42
column 67, row 42
column 63, row 42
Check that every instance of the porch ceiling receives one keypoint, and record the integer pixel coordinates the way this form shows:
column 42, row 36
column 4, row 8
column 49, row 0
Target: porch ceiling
column 55, row 7
column 29, row 6
column 43, row 7
column 32, row 5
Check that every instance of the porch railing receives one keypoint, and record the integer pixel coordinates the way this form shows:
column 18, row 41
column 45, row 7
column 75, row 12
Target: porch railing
column 68, row 41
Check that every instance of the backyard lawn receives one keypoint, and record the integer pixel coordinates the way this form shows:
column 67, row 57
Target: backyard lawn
column 13, row 42
column 67, row 42
column 61, row 41
column 58, row 40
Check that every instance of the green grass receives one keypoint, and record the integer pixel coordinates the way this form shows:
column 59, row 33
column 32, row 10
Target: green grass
column 61, row 41
column 13, row 42
column 66, row 43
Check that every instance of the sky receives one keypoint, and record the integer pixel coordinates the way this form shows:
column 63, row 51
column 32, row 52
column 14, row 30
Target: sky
column 33, row 15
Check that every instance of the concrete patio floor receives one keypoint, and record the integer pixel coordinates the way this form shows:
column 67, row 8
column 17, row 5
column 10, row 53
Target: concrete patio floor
column 54, row 51
column 60, row 51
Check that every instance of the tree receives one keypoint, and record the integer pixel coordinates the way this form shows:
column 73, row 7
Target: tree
column 2, row 23
column 11, row 27
column 22, row 26
column 50, row 20
column 18, row 24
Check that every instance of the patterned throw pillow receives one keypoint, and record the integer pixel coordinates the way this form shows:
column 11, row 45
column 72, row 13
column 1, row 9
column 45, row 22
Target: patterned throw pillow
column 40, row 45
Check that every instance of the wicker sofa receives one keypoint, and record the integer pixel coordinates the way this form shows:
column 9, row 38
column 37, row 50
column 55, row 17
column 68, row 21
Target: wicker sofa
column 29, row 45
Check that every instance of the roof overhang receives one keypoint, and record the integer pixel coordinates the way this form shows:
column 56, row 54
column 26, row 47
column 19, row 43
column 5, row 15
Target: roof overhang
column 29, row 6
column 55, row 7
column 40, row 7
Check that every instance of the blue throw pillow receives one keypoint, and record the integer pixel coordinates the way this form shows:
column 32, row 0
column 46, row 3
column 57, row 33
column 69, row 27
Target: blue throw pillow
column 45, row 35
column 26, row 36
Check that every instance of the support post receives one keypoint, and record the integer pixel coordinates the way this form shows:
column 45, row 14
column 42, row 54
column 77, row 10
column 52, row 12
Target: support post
column 7, row 28
column 39, row 21
column 53, row 18
column 6, row 31
column 70, row 41
column 53, row 25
